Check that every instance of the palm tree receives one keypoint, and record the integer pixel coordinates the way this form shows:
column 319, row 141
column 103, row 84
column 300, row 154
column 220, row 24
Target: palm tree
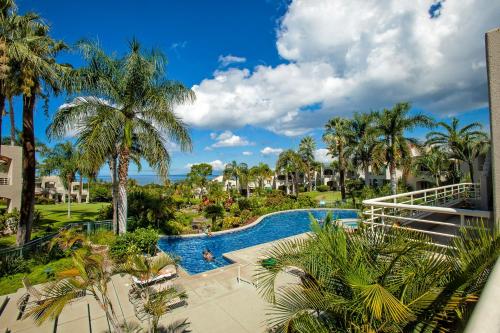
column 34, row 52
column 395, row 147
column 307, row 147
column 290, row 163
column 376, row 280
column 461, row 144
column 130, row 107
column 260, row 173
column 337, row 135
column 235, row 171
column 363, row 140
column 65, row 159
column 435, row 162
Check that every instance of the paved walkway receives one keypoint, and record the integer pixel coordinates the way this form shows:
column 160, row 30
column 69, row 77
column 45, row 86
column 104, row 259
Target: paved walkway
column 217, row 302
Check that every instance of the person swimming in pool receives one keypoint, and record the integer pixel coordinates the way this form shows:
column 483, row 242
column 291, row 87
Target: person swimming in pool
column 207, row 255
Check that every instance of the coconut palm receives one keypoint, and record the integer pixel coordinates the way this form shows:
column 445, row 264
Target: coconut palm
column 260, row 173
column 435, row 162
column 306, row 150
column 395, row 147
column 290, row 163
column 460, row 143
column 130, row 107
column 375, row 280
column 235, row 170
column 362, row 143
column 337, row 135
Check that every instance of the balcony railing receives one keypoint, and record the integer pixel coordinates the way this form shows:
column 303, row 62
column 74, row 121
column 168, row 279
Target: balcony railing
column 438, row 212
column 4, row 181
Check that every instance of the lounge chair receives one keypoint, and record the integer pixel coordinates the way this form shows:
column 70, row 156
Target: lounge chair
column 167, row 272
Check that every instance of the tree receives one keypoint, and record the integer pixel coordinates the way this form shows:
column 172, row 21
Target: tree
column 199, row 175
column 64, row 158
column 395, row 147
column 362, row 143
column 34, row 52
column 435, row 162
column 307, row 147
column 336, row 137
column 260, row 173
column 213, row 212
column 235, row 171
column 461, row 144
column 289, row 163
column 376, row 280
column 130, row 107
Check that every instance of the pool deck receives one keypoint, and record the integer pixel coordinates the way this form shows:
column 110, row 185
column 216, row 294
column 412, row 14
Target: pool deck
column 217, row 301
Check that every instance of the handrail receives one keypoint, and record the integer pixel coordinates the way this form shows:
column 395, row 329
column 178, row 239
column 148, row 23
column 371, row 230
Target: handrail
column 406, row 194
column 434, row 209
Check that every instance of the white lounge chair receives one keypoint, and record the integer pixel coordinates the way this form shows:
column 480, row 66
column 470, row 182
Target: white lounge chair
column 167, row 272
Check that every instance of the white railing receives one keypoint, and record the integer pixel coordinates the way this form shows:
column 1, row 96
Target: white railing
column 415, row 207
column 4, row 181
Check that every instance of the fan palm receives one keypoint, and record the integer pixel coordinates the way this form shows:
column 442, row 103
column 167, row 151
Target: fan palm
column 307, row 147
column 461, row 144
column 375, row 280
column 337, row 136
column 130, row 107
column 395, row 147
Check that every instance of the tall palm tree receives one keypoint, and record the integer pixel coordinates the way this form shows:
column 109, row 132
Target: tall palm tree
column 290, row 163
column 376, row 280
column 395, row 147
column 236, row 171
column 34, row 53
column 307, row 147
column 460, row 143
column 337, row 135
column 260, row 173
column 130, row 107
column 362, row 142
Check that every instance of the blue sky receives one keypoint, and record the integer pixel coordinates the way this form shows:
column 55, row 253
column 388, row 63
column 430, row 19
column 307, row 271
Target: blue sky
column 263, row 68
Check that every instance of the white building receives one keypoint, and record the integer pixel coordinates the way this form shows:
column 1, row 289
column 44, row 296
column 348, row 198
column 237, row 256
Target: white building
column 52, row 187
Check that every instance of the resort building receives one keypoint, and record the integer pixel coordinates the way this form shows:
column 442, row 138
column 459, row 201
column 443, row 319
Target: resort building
column 52, row 187
column 11, row 178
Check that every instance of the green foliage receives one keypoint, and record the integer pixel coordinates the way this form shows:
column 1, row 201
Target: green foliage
column 213, row 212
column 323, row 188
column 9, row 221
column 148, row 208
column 100, row 192
column 245, row 215
column 13, row 265
column 244, row 204
column 234, row 210
column 39, row 200
column 231, row 222
column 141, row 240
column 103, row 237
column 104, row 213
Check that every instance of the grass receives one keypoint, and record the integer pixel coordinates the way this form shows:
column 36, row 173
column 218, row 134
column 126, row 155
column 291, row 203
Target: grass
column 55, row 216
column 38, row 274
column 330, row 196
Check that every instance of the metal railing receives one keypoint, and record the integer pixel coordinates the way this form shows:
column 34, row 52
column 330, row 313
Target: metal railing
column 4, row 181
column 415, row 208
column 39, row 244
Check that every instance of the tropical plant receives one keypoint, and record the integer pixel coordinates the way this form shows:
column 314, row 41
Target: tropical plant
column 435, row 162
column 235, row 171
column 290, row 163
column 261, row 173
column 461, row 144
column 198, row 175
column 213, row 212
column 376, row 280
column 130, row 107
column 28, row 64
column 395, row 148
column 337, row 136
column 306, row 150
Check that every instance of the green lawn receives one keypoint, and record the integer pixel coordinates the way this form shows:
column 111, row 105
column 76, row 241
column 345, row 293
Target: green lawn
column 56, row 216
column 329, row 196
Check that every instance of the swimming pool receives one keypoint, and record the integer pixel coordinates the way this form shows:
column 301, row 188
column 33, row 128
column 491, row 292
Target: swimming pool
column 271, row 228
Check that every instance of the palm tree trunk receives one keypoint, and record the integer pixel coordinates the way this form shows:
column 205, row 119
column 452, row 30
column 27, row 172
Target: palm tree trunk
column 69, row 181
column 293, row 185
column 114, row 191
column 80, row 188
column 394, row 180
column 367, row 175
column 12, row 122
column 286, row 183
column 2, row 111
column 342, row 184
column 122, row 189
column 29, row 167
column 471, row 171
column 309, row 178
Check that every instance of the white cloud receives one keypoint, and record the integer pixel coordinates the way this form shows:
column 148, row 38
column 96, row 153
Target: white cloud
column 354, row 55
column 228, row 139
column 321, row 155
column 247, row 153
column 271, row 151
column 217, row 165
column 230, row 59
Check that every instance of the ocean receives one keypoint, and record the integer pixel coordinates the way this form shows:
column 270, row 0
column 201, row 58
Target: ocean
column 150, row 179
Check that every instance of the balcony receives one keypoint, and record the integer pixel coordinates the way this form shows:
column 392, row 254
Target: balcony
column 437, row 212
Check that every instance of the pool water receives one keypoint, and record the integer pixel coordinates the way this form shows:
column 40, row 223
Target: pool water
column 271, row 228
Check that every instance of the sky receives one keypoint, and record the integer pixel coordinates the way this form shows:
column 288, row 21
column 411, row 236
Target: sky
column 268, row 72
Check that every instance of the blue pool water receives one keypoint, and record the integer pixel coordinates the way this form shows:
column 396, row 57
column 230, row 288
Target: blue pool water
column 271, row 228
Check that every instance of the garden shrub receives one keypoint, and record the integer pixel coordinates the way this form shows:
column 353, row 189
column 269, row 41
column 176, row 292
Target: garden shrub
column 245, row 215
column 13, row 265
column 244, row 204
column 141, row 240
column 105, row 213
column 103, row 237
column 305, row 201
column 40, row 200
column 235, row 210
column 100, row 192
column 323, row 188
column 230, row 222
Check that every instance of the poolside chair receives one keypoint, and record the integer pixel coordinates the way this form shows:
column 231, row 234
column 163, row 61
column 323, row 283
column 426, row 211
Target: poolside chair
column 167, row 272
